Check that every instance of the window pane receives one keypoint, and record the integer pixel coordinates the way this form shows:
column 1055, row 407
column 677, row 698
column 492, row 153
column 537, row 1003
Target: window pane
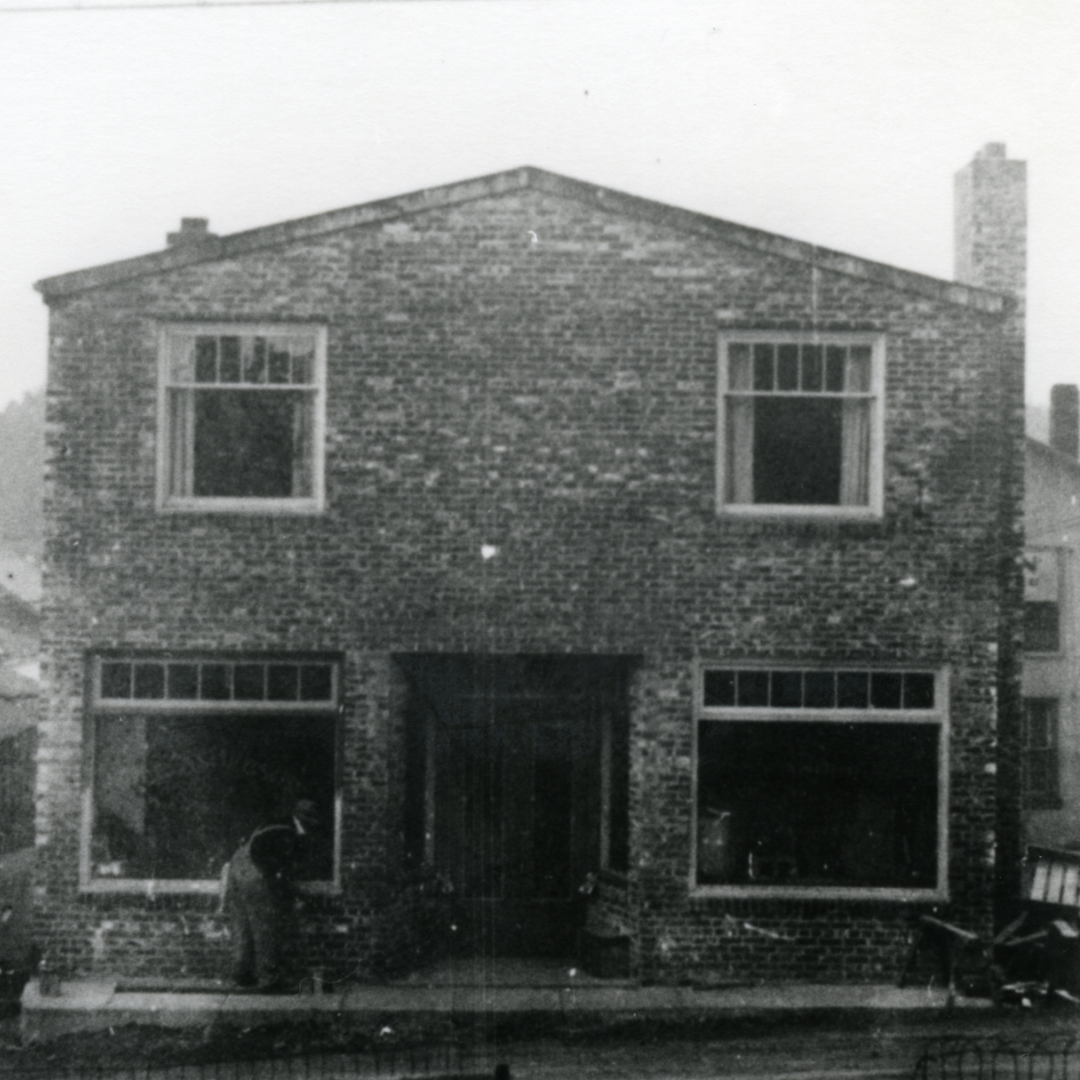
column 183, row 682
column 229, row 360
column 820, row 690
column 787, row 367
column 813, row 368
column 174, row 796
column 719, row 687
column 918, row 690
column 303, row 363
column 216, row 682
column 254, row 354
column 283, row 682
column 797, row 451
column 249, row 682
column 316, row 682
column 115, row 680
column 149, row 680
column 885, row 687
column 820, row 803
column 753, row 688
column 852, row 689
column 787, row 689
column 834, row 368
column 763, row 367
column 279, row 361
column 205, row 359
column 244, row 443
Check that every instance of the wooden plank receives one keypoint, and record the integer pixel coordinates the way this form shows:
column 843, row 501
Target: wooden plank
column 1038, row 882
column 1071, row 886
column 1053, row 884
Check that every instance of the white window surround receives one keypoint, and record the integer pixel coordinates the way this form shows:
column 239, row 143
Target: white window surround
column 734, row 474
column 322, row 706
column 937, row 716
column 172, row 442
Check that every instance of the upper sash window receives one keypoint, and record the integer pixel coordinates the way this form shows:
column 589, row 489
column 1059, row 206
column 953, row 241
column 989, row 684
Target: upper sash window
column 241, row 418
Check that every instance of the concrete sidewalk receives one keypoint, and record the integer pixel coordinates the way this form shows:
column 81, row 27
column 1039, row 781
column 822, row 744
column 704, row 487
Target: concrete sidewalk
column 88, row 1005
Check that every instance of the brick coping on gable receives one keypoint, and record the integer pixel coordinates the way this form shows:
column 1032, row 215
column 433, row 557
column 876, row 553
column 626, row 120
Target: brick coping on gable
column 214, row 248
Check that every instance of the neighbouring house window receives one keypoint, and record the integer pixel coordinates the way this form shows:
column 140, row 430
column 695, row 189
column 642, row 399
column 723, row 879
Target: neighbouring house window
column 189, row 755
column 1042, row 600
column 821, row 779
column 1039, row 755
column 800, row 424
column 241, row 418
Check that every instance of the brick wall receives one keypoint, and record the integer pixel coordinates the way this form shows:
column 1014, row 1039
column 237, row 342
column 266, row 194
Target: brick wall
column 556, row 398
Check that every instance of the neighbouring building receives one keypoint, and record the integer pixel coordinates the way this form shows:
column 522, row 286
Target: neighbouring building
column 1051, row 668
column 548, row 537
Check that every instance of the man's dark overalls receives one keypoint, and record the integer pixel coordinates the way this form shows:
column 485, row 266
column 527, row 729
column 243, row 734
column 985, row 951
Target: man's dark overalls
column 259, row 899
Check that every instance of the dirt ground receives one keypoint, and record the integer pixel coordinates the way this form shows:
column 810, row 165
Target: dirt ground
column 649, row 1050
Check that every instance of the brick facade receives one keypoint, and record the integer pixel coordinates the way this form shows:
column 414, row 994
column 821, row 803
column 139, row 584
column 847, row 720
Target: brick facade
column 529, row 363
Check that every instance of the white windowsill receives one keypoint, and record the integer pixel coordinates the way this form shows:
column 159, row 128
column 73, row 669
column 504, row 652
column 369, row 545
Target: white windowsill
column 815, row 892
column 174, row 505
column 212, row 887
column 806, row 513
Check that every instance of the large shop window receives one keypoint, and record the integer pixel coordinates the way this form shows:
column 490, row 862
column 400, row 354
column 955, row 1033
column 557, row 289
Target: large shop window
column 189, row 755
column 801, row 424
column 821, row 782
column 241, row 418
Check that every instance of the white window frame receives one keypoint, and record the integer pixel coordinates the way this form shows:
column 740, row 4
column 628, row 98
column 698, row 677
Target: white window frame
column 938, row 716
column 876, row 393
column 98, row 707
column 168, row 502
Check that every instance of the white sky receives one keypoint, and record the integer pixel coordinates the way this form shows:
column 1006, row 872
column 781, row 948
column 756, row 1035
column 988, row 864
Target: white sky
column 840, row 122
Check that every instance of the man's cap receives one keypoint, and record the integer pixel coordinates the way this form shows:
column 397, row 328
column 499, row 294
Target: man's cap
column 307, row 812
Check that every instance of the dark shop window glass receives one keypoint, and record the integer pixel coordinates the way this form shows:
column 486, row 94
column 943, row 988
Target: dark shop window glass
column 216, row 682
column 249, row 682
column 283, row 682
column 818, row 804
column 719, row 688
column 115, row 680
column 174, row 796
column 149, row 680
column 316, row 682
column 1041, row 626
column 183, row 682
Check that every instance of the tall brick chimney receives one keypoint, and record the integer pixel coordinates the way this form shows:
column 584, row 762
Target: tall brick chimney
column 1065, row 419
column 991, row 222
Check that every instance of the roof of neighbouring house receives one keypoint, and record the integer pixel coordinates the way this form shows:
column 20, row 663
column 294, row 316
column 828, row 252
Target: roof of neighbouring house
column 210, row 248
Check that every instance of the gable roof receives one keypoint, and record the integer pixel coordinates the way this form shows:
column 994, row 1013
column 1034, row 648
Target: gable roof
column 213, row 248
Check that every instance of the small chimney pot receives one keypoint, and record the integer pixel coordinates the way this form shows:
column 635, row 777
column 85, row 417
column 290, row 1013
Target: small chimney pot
column 193, row 230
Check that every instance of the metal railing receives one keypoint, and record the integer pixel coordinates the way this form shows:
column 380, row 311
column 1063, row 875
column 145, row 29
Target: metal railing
column 957, row 1058
column 399, row 1063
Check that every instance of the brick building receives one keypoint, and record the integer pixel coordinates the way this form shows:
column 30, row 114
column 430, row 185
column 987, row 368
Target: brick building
column 1050, row 739
column 544, row 535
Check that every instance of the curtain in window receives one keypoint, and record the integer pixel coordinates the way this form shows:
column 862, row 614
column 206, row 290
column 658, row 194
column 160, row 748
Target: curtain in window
column 740, row 427
column 740, row 450
column 855, row 454
column 855, row 433
column 181, row 442
column 303, row 443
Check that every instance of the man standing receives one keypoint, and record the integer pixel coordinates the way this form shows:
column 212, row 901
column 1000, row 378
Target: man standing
column 260, row 890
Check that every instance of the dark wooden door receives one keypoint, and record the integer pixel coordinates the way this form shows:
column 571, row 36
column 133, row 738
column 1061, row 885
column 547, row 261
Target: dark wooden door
column 516, row 788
